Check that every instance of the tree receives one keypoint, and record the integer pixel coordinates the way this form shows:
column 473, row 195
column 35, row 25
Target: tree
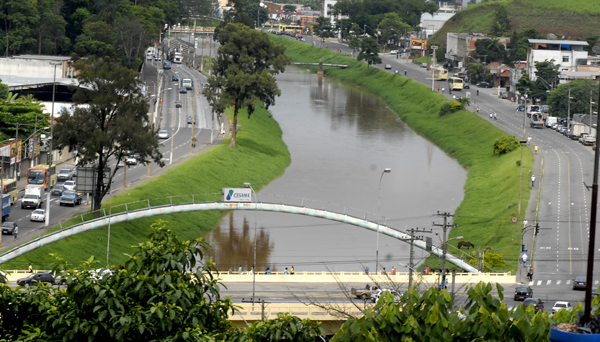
column 323, row 28
column 369, row 51
column 501, row 23
column 392, row 28
column 476, row 72
column 546, row 79
column 98, row 39
column 24, row 111
column 111, row 117
column 244, row 74
column 289, row 8
column 491, row 48
column 3, row 90
column 580, row 97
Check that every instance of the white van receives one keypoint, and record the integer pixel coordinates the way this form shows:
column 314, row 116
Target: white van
column 188, row 83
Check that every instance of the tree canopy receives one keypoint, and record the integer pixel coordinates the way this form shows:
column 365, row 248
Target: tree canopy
column 244, row 73
column 369, row 51
column 109, row 119
column 558, row 99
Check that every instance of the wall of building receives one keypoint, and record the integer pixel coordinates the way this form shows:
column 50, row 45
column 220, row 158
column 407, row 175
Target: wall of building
column 37, row 68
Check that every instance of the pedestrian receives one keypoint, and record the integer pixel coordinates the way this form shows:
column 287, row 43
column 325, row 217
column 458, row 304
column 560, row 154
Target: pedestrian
column 524, row 258
column 396, row 71
column 495, row 117
column 367, row 270
column 393, row 270
column 528, row 140
column 477, row 92
column 252, row 270
column 477, row 110
column 531, row 273
column 454, row 97
column 532, row 181
column 404, row 72
column 285, row 271
column 30, row 268
column 491, row 116
column 536, row 149
column 240, row 270
column 268, row 271
column 449, row 90
column 292, row 270
column 424, row 269
column 383, row 271
column 438, row 89
column 442, row 90
column 396, row 55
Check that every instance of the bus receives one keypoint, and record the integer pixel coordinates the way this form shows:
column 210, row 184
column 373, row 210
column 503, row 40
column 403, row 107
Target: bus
column 42, row 174
column 455, row 83
column 440, row 74
column 10, row 187
column 291, row 29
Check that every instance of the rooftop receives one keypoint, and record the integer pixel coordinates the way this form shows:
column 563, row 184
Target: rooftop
column 558, row 42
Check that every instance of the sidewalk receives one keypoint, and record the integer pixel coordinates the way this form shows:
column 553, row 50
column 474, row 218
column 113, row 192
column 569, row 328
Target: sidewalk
column 531, row 213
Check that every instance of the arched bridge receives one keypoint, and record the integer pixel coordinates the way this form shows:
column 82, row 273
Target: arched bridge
column 207, row 206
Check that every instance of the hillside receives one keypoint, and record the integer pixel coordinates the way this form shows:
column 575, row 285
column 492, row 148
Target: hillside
column 574, row 19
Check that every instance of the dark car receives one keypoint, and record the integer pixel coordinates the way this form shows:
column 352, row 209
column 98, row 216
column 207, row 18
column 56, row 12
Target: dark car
column 483, row 85
column 190, row 120
column 175, row 78
column 539, row 305
column 183, row 90
column 579, row 283
column 466, row 85
column 45, row 277
column 178, row 104
column 10, row 228
column 523, row 292
column 57, row 190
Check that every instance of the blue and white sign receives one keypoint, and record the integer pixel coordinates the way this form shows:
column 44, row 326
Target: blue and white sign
column 237, row 195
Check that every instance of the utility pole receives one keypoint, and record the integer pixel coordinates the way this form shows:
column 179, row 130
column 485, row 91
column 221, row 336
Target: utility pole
column 445, row 227
column 569, row 112
column 262, row 304
column 411, row 265
column 591, row 112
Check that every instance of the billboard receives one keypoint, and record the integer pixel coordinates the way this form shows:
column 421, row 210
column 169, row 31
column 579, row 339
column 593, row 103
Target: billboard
column 237, row 195
column 418, row 44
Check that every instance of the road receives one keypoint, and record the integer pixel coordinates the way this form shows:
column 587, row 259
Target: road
column 176, row 147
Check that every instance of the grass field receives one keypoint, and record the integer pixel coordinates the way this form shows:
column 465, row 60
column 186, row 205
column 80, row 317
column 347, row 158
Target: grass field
column 492, row 186
column 260, row 156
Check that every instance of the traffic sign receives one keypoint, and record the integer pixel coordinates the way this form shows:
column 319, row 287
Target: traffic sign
column 514, row 219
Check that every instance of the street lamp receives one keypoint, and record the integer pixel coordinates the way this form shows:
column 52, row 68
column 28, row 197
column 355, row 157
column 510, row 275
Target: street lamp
column 261, row 4
column 55, row 64
column 434, row 47
column 386, row 170
column 248, row 186
column 521, row 163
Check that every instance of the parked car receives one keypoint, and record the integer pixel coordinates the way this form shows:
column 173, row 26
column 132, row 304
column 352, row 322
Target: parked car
column 521, row 108
column 38, row 215
column 523, row 292
column 65, row 174
column 394, row 52
column 423, row 65
column 175, row 78
column 57, row 190
column 466, row 85
column 35, row 278
column 163, row 134
column 561, row 305
column 388, row 66
column 483, row 85
column 131, row 160
column 183, row 90
column 579, row 283
column 539, row 305
column 69, row 185
column 10, row 228
column 503, row 95
column 74, row 170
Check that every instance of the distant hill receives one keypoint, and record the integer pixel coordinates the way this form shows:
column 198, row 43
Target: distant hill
column 572, row 19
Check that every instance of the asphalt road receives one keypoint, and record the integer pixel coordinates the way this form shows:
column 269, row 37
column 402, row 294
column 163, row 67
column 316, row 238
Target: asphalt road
column 176, row 147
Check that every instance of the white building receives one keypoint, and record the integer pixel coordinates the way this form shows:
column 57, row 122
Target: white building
column 563, row 53
column 328, row 9
column 430, row 24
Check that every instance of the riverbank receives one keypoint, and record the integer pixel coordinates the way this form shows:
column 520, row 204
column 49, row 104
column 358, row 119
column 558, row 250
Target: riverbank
column 492, row 186
column 259, row 157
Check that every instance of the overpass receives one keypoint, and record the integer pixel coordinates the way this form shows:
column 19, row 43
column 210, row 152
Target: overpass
column 174, row 208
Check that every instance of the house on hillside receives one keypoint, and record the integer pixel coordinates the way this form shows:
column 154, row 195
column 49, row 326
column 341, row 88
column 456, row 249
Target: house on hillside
column 460, row 45
column 501, row 74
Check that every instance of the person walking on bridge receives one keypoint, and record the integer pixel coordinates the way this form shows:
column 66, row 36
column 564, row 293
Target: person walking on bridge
column 292, row 270
column 367, row 270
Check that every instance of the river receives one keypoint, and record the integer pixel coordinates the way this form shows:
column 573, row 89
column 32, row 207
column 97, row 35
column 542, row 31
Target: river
column 341, row 138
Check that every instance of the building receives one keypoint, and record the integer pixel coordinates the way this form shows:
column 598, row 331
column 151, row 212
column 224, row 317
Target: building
column 460, row 45
column 37, row 66
column 430, row 24
column 564, row 53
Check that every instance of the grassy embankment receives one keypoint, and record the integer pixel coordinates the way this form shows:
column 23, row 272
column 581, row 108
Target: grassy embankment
column 492, row 186
column 260, row 156
column 573, row 19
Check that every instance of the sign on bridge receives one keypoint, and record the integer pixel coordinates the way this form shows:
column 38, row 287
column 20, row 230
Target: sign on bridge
column 237, row 195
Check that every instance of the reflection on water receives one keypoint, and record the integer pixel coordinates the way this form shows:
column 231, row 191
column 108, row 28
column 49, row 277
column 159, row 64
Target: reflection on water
column 341, row 138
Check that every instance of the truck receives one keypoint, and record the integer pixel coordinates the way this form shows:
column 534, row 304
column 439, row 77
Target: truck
column 576, row 130
column 188, row 83
column 533, row 109
column 551, row 120
column 178, row 58
column 71, row 198
column 365, row 293
column 34, row 196
column 589, row 140
column 536, row 120
column 5, row 206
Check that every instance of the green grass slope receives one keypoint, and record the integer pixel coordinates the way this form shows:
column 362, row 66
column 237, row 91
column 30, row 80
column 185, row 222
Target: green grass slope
column 573, row 19
column 492, row 186
column 259, row 157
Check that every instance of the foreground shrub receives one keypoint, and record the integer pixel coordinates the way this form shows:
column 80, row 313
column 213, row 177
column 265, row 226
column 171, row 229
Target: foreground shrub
column 505, row 144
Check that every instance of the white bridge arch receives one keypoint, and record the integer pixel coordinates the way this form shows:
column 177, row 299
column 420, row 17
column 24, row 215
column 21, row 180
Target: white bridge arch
column 209, row 206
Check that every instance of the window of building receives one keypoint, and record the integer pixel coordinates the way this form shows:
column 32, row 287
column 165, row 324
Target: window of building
column 565, row 59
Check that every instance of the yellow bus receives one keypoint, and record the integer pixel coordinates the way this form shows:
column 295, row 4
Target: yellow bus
column 455, row 83
column 440, row 74
column 291, row 28
column 42, row 174
column 10, row 187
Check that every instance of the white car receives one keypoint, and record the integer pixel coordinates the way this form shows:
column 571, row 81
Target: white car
column 163, row 134
column 69, row 185
column 131, row 160
column 375, row 295
column 561, row 305
column 38, row 215
column 394, row 52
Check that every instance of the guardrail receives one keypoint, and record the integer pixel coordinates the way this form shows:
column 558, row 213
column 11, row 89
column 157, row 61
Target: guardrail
column 249, row 313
